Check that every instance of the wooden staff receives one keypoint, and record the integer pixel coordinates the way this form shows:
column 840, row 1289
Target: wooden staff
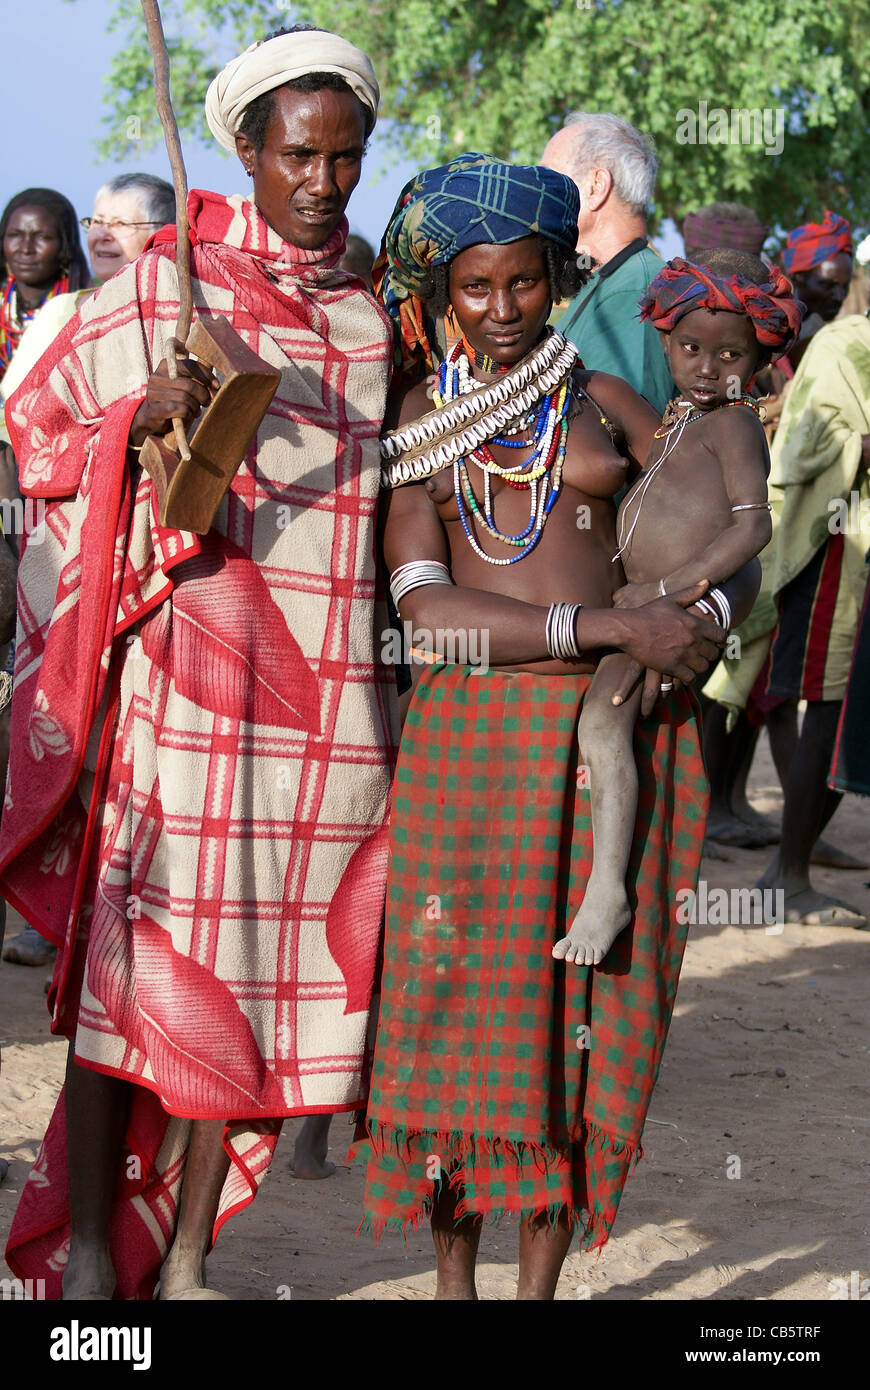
column 160, row 55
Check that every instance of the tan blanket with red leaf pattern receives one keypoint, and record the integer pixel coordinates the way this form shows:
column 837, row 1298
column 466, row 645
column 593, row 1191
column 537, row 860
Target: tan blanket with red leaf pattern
column 202, row 734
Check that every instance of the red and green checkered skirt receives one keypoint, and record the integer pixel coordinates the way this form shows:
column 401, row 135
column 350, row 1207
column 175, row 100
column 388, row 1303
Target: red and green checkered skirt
column 521, row 1080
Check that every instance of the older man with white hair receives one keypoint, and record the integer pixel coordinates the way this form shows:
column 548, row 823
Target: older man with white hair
column 614, row 167
column 202, row 730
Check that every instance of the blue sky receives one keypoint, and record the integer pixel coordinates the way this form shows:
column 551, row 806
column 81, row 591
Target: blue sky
column 56, row 56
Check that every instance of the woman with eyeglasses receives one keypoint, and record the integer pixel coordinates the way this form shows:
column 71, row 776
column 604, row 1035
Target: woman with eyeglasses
column 127, row 211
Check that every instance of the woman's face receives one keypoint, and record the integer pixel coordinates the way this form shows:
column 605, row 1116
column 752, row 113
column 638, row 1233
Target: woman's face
column 501, row 297
column 118, row 232
column 31, row 247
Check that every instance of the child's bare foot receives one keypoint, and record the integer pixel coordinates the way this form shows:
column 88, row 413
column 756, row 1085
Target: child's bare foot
column 602, row 916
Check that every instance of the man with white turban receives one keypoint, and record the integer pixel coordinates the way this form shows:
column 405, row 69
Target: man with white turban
column 203, row 732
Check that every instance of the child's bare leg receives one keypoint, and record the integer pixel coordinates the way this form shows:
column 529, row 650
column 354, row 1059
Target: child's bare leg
column 606, row 735
column 455, row 1247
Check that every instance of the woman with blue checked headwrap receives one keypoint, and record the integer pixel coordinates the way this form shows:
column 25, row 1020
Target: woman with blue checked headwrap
column 506, row 1080
column 471, row 201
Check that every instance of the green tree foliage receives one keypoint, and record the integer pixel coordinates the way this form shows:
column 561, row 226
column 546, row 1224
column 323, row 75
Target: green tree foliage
column 500, row 76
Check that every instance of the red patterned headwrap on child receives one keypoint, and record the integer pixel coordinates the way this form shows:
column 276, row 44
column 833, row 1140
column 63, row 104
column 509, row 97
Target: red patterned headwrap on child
column 815, row 242
column 681, row 287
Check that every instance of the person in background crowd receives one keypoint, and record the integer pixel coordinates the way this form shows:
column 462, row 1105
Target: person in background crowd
column 818, row 259
column 820, row 459
column 732, row 226
column 127, row 212
column 614, row 167
column 40, row 257
column 358, row 258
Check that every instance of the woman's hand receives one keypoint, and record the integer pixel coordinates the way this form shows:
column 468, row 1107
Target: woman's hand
column 168, row 399
column 666, row 639
column 636, row 595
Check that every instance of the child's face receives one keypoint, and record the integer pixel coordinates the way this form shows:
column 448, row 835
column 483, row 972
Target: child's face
column 712, row 355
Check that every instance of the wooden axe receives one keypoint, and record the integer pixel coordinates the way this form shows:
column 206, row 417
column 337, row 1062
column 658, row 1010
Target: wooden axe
column 191, row 476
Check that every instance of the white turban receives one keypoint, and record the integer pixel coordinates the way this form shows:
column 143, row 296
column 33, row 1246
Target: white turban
column 272, row 62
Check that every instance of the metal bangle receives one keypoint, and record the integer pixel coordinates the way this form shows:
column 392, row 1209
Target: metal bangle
column 561, row 631
column 720, row 598
column 414, row 575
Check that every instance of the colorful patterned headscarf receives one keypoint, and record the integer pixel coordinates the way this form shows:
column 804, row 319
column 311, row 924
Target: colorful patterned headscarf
column 815, row 242
column 470, row 201
column 682, row 287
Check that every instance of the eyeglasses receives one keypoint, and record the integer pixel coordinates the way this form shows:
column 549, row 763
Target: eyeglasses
column 114, row 225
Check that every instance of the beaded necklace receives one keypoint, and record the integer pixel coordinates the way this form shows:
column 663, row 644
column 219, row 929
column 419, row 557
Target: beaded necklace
column 540, row 472
column 673, row 423
column 672, row 419
column 482, row 361
column 14, row 317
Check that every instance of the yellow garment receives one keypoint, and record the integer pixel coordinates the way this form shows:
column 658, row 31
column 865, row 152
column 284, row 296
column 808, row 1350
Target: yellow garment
column 815, row 459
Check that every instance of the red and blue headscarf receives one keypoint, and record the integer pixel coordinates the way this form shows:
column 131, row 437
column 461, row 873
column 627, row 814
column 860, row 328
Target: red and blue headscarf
column 682, row 287
column 473, row 200
column 815, row 242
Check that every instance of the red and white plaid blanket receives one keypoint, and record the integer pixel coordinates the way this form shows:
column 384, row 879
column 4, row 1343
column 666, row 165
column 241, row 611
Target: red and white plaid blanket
column 202, row 733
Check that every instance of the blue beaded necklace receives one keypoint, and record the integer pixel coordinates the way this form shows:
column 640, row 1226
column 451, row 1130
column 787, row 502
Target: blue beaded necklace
column 544, row 461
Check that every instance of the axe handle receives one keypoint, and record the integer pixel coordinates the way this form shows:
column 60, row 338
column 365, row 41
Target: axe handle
column 160, row 55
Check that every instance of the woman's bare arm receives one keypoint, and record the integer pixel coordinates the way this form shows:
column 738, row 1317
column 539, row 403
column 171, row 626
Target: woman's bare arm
column 662, row 636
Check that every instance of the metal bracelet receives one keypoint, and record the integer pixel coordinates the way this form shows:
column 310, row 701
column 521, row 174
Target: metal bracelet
column 561, row 631
column 414, row 575
column 720, row 599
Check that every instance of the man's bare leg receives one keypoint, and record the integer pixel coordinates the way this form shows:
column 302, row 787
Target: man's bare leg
column 809, row 805
column 782, row 730
column 606, row 734
column 542, row 1254
column 311, row 1148
column 455, row 1248
column 204, row 1175
column 96, row 1113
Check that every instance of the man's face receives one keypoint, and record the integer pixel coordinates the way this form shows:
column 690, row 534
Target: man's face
column 501, row 297
column 110, row 244
column 309, row 165
column 709, row 354
column 31, row 247
column 824, row 288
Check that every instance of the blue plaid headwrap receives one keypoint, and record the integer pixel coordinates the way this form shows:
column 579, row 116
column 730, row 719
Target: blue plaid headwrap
column 472, row 200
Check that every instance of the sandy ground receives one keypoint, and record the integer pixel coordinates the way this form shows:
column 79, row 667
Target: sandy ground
column 754, row 1183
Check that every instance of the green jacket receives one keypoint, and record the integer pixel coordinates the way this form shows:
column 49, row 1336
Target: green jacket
column 602, row 321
